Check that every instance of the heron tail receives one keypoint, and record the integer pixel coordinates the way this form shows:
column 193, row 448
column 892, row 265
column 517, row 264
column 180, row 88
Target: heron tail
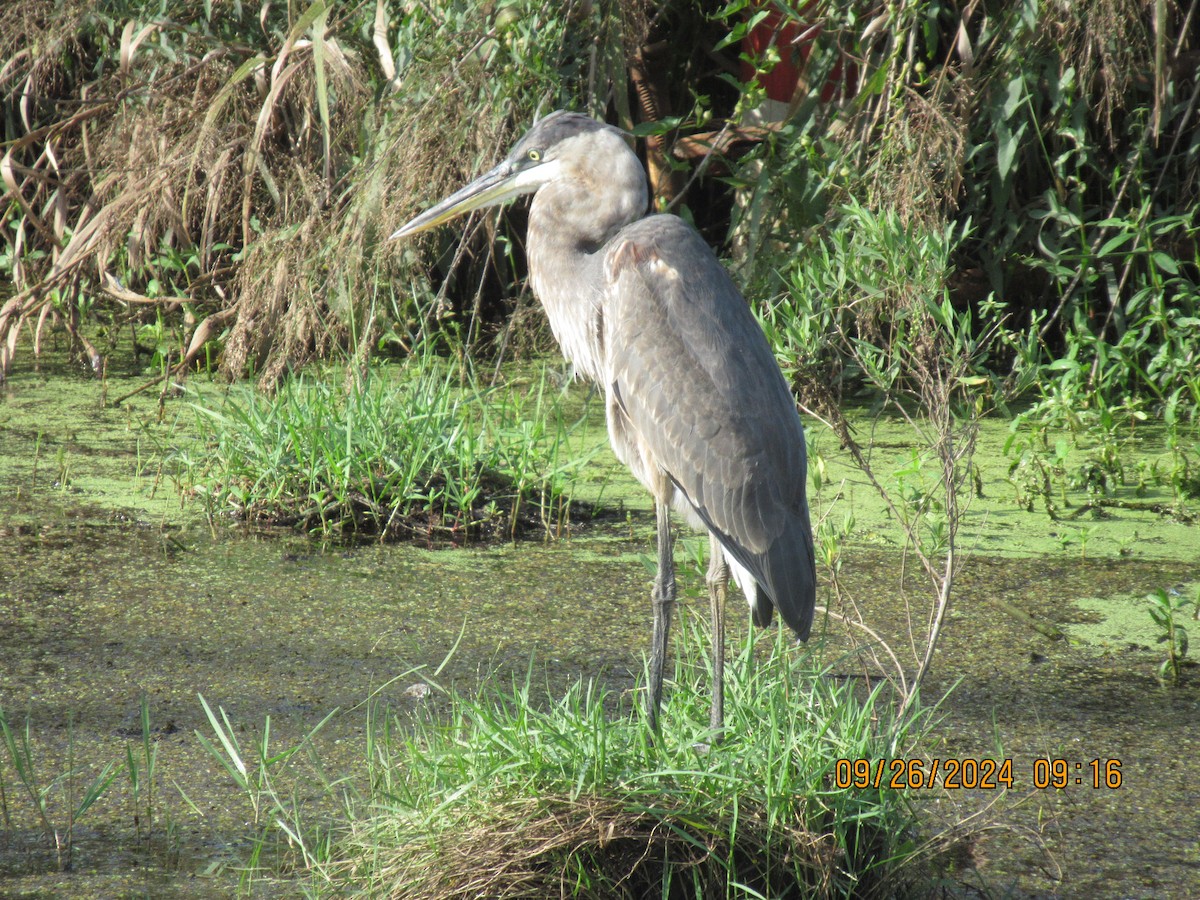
column 784, row 578
column 788, row 581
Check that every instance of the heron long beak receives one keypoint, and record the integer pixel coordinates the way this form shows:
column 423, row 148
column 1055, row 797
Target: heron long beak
column 500, row 185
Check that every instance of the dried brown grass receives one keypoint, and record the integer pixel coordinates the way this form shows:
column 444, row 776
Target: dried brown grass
column 918, row 164
column 276, row 166
column 132, row 166
column 1110, row 44
column 599, row 847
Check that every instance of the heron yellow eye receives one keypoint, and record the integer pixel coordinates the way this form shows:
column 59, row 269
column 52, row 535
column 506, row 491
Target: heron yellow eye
column 535, row 155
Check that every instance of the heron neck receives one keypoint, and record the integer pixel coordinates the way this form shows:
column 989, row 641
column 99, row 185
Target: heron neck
column 566, row 266
column 567, row 279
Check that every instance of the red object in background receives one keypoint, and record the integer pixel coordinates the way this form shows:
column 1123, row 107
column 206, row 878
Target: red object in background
column 794, row 39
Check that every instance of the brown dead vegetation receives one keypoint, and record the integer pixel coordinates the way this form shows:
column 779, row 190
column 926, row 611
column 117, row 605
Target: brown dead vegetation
column 598, row 847
column 244, row 172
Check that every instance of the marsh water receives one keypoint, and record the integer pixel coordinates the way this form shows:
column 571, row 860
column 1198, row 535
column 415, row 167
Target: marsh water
column 115, row 593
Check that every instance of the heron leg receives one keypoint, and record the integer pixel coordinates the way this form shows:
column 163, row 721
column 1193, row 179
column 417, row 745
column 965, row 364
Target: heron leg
column 718, row 580
column 663, row 602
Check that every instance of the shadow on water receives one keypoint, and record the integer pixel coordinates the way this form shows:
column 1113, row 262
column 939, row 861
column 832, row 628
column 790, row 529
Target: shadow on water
column 109, row 592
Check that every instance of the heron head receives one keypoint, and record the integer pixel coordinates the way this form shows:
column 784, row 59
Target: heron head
column 558, row 146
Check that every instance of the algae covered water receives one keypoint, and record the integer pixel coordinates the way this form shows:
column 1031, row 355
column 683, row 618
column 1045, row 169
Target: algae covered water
column 116, row 596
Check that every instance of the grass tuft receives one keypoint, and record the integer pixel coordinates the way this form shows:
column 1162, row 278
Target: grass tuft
column 418, row 453
column 511, row 796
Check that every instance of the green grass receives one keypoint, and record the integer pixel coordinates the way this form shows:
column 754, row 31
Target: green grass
column 418, row 450
column 509, row 793
column 60, row 801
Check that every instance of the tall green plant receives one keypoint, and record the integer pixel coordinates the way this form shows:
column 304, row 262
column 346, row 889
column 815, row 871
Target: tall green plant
column 57, row 824
column 868, row 308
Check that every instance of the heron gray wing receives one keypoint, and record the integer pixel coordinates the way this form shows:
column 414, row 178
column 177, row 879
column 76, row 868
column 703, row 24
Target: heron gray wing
column 706, row 401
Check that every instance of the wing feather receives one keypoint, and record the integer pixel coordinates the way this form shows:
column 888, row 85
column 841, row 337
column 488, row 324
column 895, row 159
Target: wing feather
column 704, row 398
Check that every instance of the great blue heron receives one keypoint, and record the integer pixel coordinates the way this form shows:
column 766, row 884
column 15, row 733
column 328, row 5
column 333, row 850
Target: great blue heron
column 695, row 402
